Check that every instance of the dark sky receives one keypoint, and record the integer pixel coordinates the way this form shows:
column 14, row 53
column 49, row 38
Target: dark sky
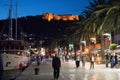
column 38, row 7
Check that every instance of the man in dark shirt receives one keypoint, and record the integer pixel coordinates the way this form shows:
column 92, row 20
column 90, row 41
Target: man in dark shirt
column 107, row 59
column 116, row 60
column 56, row 64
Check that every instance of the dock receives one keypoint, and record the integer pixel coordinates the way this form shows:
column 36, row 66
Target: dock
column 69, row 72
column 45, row 72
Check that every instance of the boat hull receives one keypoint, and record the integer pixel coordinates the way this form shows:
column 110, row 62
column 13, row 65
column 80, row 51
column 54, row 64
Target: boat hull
column 12, row 61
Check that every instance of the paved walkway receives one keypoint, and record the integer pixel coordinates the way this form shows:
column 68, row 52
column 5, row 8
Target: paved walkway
column 70, row 72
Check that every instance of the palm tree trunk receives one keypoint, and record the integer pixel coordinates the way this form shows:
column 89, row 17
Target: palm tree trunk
column 102, row 48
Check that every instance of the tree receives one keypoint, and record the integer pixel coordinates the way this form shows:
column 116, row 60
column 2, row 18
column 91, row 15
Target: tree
column 100, row 16
column 113, row 46
column 104, row 18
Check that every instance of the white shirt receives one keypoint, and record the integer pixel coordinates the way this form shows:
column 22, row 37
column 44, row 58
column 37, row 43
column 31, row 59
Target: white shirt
column 92, row 59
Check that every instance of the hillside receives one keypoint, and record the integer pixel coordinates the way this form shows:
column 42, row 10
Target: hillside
column 42, row 29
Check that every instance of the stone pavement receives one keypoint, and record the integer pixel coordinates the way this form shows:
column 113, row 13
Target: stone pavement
column 70, row 72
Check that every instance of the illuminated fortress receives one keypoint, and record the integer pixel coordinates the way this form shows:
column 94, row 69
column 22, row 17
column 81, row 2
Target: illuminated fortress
column 65, row 17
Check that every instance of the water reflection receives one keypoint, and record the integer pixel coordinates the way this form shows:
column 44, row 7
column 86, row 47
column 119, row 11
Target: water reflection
column 99, row 75
column 94, row 77
column 9, row 74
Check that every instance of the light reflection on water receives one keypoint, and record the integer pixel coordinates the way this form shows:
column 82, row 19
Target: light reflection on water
column 103, row 75
column 9, row 74
column 94, row 77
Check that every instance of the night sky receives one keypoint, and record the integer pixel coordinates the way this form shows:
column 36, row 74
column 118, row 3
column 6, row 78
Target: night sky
column 38, row 7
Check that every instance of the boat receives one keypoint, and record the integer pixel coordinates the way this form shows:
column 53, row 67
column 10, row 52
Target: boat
column 13, row 52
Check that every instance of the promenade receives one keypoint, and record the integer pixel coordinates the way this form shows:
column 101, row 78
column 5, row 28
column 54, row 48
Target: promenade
column 70, row 72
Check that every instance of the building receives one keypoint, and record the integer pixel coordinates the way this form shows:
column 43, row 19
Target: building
column 64, row 17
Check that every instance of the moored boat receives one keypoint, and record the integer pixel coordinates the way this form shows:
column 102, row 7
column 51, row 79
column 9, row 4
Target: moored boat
column 13, row 52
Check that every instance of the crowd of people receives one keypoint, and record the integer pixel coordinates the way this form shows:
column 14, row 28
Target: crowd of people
column 80, row 60
column 112, row 59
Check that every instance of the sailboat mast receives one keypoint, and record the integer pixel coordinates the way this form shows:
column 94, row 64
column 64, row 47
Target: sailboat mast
column 10, row 32
column 16, row 22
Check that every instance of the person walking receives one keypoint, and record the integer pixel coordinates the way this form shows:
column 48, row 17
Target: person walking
column 107, row 59
column 77, row 61
column 112, row 60
column 38, row 60
column 56, row 64
column 83, row 60
column 116, row 60
column 92, row 59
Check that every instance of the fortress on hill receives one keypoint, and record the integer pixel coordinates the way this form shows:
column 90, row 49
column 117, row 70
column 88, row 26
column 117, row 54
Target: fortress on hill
column 64, row 17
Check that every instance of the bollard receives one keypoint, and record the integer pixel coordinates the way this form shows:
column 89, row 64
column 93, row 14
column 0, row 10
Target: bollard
column 36, row 71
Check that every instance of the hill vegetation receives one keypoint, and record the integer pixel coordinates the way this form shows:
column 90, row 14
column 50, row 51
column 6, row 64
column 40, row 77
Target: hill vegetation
column 37, row 27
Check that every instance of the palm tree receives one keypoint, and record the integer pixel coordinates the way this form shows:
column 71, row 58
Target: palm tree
column 100, row 16
column 105, row 17
column 88, row 26
column 84, row 29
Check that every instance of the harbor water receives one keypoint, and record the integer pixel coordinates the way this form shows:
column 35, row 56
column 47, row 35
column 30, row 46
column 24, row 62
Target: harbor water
column 9, row 74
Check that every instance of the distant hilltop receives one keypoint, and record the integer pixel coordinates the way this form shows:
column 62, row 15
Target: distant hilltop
column 64, row 17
